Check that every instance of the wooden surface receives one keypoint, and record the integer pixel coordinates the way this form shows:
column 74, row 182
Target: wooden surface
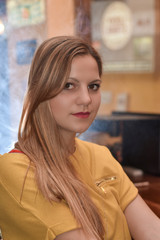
column 149, row 189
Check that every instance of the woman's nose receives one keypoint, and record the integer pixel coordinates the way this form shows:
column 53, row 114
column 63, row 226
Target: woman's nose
column 84, row 97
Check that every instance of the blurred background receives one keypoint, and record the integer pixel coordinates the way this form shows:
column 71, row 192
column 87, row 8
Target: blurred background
column 126, row 33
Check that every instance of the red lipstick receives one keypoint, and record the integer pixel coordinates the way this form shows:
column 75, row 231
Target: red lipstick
column 81, row 114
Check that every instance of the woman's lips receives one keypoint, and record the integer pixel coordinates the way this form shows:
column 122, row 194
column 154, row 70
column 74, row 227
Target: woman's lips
column 81, row 114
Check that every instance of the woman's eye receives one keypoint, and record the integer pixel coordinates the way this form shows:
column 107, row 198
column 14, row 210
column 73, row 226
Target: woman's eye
column 94, row 86
column 69, row 86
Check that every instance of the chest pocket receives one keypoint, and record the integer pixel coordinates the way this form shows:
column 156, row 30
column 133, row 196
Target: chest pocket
column 108, row 185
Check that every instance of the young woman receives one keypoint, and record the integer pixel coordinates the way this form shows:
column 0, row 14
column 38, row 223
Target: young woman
column 53, row 185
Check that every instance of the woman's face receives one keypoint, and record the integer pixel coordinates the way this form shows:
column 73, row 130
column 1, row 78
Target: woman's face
column 76, row 106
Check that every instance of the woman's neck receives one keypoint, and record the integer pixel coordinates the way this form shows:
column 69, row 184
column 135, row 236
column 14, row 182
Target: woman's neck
column 69, row 140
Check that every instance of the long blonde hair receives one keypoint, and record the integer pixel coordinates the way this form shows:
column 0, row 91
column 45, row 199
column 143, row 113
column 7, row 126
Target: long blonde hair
column 39, row 137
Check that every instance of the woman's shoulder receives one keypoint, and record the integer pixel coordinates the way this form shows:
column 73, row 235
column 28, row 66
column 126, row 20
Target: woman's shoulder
column 13, row 160
column 13, row 167
column 99, row 157
column 91, row 145
column 95, row 150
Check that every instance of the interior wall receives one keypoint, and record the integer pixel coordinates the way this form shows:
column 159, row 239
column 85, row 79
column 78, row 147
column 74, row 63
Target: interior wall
column 143, row 92
column 60, row 17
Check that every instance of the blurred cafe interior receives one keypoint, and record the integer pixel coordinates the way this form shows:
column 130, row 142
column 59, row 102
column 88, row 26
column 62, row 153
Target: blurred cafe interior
column 126, row 33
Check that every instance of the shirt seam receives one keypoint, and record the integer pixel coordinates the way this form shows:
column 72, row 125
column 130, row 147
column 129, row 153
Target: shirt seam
column 12, row 196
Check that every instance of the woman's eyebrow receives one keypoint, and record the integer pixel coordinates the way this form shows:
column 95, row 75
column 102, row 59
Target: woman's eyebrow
column 97, row 80
column 92, row 81
column 74, row 79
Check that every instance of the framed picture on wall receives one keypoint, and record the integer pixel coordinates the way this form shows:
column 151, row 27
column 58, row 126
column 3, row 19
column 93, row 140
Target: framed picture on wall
column 25, row 51
column 123, row 32
column 25, row 12
column 126, row 33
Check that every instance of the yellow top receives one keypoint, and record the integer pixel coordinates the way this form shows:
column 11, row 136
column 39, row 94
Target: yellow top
column 29, row 216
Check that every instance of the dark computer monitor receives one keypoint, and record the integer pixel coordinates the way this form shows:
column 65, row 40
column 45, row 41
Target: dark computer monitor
column 133, row 138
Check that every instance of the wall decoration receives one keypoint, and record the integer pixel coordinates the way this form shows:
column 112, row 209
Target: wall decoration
column 25, row 51
column 116, row 25
column 142, row 47
column 124, row 34
column 25, row 12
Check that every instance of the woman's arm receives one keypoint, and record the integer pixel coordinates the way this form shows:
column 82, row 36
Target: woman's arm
column 142, row 222
column 76, row 234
